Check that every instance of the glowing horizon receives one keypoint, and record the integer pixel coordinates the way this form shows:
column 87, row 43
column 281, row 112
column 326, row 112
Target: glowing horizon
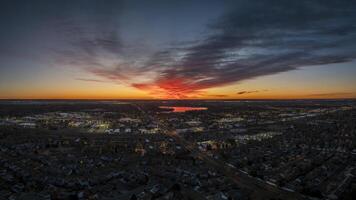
column 177, row 50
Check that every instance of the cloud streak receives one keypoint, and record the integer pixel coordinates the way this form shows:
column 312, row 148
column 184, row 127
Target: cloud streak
column 247, row 92
column 333, row 94
column 255, row 38
column 91, row 80
column 262, row 38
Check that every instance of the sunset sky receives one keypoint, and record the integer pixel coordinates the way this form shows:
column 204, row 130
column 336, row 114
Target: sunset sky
column 159, row 49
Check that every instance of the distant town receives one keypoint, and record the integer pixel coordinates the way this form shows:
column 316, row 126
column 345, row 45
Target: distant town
column 213, row 150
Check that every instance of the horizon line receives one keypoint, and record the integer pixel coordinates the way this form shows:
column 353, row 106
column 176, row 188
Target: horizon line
column 153, row 99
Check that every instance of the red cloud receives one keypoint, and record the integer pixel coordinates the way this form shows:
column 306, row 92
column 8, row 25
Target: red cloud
column 174, row 88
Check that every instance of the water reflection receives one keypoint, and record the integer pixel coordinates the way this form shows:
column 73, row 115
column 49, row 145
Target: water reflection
column 178, row 109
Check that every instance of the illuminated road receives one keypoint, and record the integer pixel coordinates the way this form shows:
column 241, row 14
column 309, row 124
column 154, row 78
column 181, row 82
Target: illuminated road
column 241, row 179
column 261, row 189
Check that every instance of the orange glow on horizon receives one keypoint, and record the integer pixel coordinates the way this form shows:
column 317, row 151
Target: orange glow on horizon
column 150, row 97
column 172, row 89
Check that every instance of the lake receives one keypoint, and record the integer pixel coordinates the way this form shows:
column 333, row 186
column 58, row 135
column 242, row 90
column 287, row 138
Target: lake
column 178, row 109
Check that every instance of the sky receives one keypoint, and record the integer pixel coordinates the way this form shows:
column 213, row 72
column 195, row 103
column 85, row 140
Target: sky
column 165, row 49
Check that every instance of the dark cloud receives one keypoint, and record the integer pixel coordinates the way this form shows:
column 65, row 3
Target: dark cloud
column 247, row 92
column 259, row 38
column 254, row 38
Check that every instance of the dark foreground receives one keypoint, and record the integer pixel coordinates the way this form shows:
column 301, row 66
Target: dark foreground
column 137, row 150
